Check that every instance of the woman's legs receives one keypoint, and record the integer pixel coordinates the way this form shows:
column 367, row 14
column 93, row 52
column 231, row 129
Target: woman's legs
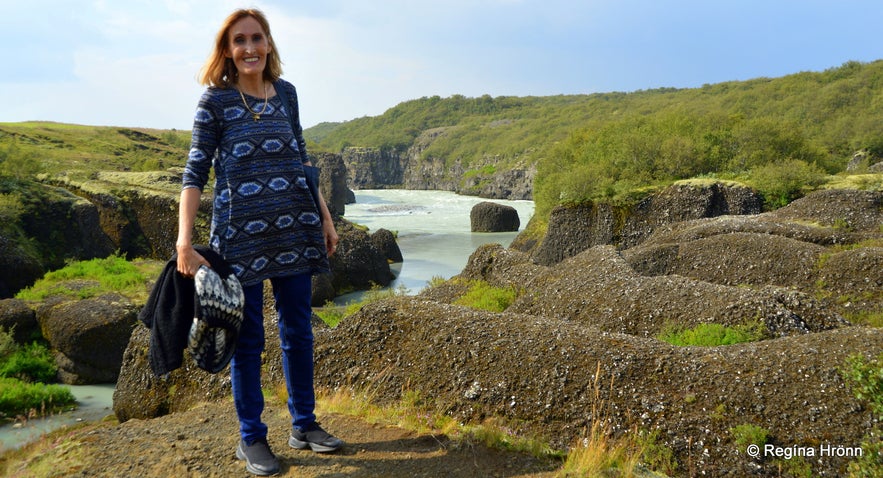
column 245, row 367
column 293, row 298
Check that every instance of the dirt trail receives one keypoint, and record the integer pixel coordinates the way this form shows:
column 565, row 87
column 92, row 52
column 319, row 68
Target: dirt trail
column 201, row 442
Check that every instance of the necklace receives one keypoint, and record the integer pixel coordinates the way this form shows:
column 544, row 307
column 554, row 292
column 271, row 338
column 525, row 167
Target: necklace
column 255, row 114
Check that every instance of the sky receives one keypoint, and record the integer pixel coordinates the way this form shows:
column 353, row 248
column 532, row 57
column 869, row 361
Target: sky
column 134, row 63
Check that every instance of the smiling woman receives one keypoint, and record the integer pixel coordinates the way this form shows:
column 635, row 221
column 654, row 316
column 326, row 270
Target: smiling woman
column 265, row 224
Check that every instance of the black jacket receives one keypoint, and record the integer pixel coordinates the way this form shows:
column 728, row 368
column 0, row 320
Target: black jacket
column 170, row 310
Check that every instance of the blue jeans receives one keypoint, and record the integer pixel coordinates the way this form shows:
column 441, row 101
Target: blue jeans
column 293, row 297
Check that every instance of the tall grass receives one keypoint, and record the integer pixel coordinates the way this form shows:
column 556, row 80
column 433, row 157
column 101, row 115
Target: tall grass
column 598, row 453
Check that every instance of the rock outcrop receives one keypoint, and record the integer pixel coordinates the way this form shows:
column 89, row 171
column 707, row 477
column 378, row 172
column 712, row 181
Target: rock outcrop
column 88, row 336
column 17, row 317
column 573, row 229
column 358, row 264
column 385, row 241
column 489, row 216
column 372, row 168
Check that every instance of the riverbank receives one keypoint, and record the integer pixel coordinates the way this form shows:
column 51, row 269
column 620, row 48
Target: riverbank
column 94, row 402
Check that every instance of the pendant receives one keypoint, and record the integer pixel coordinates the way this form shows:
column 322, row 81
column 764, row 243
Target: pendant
column 256, row 116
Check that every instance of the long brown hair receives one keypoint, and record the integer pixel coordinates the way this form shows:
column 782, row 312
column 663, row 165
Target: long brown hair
column 219, row 70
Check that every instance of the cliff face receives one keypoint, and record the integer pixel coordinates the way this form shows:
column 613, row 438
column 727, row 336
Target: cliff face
column 372, row 168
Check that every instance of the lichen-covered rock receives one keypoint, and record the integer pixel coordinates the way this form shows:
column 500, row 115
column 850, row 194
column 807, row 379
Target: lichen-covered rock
column 488, row 216
column 88, row 336
column 848, row 210
column 139, row 394
column 573, row 229
column 18, row 317
column 358, row 264
column 386, row 243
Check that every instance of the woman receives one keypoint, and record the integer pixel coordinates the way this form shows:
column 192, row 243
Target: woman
column 265, row 223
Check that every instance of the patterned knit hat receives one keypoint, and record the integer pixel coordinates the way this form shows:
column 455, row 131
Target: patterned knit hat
column 218, row 316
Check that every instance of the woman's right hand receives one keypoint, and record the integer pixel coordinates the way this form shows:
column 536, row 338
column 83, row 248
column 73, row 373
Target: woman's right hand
column 189, row 261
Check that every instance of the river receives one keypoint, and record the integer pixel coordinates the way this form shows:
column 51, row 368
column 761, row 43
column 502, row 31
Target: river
column 433, row 231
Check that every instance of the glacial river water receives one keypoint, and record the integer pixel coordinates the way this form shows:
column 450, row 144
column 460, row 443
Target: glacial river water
column 433, row 230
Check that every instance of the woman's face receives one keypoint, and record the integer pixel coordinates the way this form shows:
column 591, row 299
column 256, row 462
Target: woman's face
column 248, row 46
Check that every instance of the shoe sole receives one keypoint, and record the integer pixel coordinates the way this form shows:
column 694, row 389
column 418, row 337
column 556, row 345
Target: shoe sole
column 316, row 447
column 241, row 455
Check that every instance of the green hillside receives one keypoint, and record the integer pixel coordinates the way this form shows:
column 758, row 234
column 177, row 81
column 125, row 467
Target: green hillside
column 78, row 152
column 797, row 129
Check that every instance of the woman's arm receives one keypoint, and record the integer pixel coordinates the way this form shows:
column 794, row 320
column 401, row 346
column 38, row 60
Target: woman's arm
column 188, row 259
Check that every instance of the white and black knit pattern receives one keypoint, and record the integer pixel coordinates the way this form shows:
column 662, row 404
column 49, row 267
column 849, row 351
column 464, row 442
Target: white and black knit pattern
column 219, row 313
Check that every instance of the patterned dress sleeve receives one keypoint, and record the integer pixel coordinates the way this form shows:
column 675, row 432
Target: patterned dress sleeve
column 204, row 143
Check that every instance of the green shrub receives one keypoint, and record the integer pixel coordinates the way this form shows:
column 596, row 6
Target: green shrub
column 656, row 454
column 484, row 296
column 21, row 398
column 867, row 386
column 867, row 381
column 7, row 343
column 782, row 182
column 712, row 335
column 749, row 434
column 29, row 363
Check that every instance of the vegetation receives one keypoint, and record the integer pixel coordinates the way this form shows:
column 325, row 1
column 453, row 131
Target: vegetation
column 712, row 335
column 332, row 314
column 780, row 135
column 55, row 150
column 866, row 379
column 598, row 453
column 483, row 296
column 95, row 277
column 749, row 434
column 24, row 372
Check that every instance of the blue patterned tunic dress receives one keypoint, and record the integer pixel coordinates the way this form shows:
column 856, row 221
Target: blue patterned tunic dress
column 264, row 221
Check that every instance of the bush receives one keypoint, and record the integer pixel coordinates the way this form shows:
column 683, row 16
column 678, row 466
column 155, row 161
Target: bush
column 29, row 363
column 867, row 381
column 749, row 434
column 783, row 182
column 867, row 386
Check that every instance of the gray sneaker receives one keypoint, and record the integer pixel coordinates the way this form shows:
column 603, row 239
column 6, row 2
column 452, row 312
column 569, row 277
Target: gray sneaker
column 259, row 460
column 316, row 438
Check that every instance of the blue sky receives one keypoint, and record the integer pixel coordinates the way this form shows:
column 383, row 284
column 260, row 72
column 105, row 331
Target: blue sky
column 134, row 62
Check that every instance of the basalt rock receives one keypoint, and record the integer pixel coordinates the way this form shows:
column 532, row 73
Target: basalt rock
column 573, row 229
column 17, row 317
column 385, row 241
column 489, row 216
column 88, row 336
column 358, row 264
